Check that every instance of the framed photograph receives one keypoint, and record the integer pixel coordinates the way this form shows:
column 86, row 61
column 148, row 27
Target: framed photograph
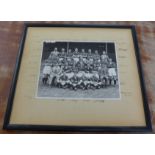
column 78, row 78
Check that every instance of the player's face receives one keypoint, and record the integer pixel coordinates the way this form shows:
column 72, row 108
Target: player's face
column 83, row 50
column 55, row 49
column 69, row 51
column 89, row 51
column 76, row 50
column 96, row 52
column 104, row 52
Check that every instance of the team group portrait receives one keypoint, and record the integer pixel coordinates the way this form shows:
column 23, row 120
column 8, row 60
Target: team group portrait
column 78, row 70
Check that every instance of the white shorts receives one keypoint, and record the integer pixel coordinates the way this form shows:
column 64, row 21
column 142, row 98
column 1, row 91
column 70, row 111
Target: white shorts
column 60, row 59
column 111, row 72
column 73, row 84
column 52, row 75
column 47, row 70
column 95, row 83
column 80, row 74
column 88, row 75
column 76, row 60
column 91, row 61
column 86, row 82
column 63, row 82
column 84, row 60
column 70, row 75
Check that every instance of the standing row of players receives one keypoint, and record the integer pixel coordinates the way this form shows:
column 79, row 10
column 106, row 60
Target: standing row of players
column 79, row 69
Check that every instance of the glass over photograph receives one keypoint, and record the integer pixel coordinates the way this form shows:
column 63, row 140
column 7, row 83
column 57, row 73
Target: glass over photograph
column 78, row 70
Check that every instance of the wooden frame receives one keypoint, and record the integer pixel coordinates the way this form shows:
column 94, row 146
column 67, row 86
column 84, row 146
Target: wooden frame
column 78, row 128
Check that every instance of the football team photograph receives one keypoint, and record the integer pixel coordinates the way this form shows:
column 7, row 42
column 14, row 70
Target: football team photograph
column 78, row 70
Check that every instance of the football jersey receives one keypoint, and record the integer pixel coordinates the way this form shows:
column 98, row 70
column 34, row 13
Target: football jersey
column 76, row 54
column 62, row 55
column 69, row 55
column 90, row 56
column 104, row 56
column 96, row 57
column 95, row 79
column 56, row 69
column 111, row 65
column 103, row 72
column 53, row 54
column 84, row 55
column 75, row 79
column 64, row 78
column 80, row 65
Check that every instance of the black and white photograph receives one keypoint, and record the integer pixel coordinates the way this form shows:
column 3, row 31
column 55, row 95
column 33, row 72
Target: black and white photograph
column 78, row 70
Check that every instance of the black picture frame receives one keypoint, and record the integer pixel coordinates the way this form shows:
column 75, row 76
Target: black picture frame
column 113, row 129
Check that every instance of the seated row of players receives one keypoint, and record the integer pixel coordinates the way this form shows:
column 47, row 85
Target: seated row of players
column 79, row 70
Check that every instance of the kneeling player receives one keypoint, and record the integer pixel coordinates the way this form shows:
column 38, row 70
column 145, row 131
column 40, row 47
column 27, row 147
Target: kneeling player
column 95, row 83
column 82, row 80
column 87, row 82
column 63, row 81
column 74, row 82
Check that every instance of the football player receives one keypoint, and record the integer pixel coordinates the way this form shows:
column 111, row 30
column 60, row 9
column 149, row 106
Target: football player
column 84, row 55
column 89, row 53
column 69, row 53
column 65, row 67
column 88, row 77
column 96, row 56
column 46, row 72
column 55, row 73
column 83, row 81
column 96, row 65
column 53, row 57
column 80, row 63
column 103, row 74
column 89, row 65
column 80, row 77
column 69, row 77
column 54, row 53
column 90, row 57
column 112, row 72
column 104, row 58
column 62, row 56
column 74, row 82
column 95, row 83
column 76, row 56
column 63, row 81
